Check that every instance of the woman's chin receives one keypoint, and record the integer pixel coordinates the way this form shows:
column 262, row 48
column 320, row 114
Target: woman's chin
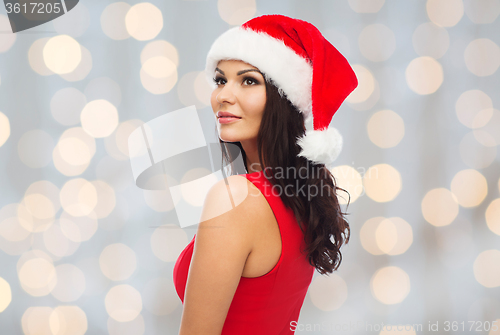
column 229, row 138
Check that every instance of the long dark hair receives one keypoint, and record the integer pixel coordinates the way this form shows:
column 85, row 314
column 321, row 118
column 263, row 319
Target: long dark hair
column 319, row 217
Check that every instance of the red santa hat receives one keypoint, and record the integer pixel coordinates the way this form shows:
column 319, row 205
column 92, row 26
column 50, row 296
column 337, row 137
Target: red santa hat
column 295, row 57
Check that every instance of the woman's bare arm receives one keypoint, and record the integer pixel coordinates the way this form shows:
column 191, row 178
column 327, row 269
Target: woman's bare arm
column 223, row 242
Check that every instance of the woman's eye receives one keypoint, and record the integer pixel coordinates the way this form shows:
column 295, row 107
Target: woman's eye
column 216, row 80
column 251, row 80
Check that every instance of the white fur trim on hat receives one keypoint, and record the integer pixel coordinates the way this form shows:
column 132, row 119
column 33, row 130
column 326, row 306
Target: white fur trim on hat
column 289, row 72
column 321, row 146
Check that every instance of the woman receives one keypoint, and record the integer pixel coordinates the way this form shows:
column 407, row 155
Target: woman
column 262, row 234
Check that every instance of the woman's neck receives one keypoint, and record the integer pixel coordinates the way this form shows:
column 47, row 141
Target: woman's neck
column 252, row 156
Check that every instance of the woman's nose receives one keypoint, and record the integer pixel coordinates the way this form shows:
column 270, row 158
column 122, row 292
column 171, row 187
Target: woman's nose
column 226, row 95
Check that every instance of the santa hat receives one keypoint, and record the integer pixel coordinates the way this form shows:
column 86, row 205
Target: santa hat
column 294, row 56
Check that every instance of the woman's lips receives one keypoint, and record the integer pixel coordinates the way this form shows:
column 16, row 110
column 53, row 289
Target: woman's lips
column 227, row 119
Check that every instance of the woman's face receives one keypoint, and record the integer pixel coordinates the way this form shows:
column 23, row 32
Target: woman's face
column 241, row 91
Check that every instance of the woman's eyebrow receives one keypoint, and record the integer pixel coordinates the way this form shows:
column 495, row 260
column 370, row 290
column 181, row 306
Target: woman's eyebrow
column 240, row 72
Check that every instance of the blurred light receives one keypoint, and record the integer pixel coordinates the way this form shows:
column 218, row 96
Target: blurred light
column 134, row 327
column 382, row 182
column 70, row 283
column 160, row 297
column 123, row 303
column 194, row 193
column 404, row 235
column 117, row 145
column 392, row 236
column 328, row 293
column 37, row 276
column 68, row 320
column 39, row 206
column 113, row 20
column 445, row 13
column 74, row 151
column 366, row 6
column 82, row 70
column 106, row 200
column 73, row 23
column 61, row 164
column 99, row 118
column 390, row 285
column 370, row 102
column 50, row 200
column 4, row 128
column 158, row 85
column 470, row 187
column 202, row 89
column 5, row 294
column 168, row 241
column 118, row 261
column 386, row 128
column 424, row 75
column 160, row 48
column 439, row 207
column 144, row 21
column 78, row 197
column 35, row 57
column 186, row 90
column 366, row 84
column 482, row 57
column 474, row 153
column 482, row 11
column 236, row 12
column 66, row 106
column 7, row 38
column 104, row 88
column 377, row 42
column 491, row 128
column 28, row 220
column 487, row 268
column 484, row 137
column 159, row 67
column 34, row 148
column 78, row 229
column 35, row 320
column 349, row 179
column 62, row 54
column 474, row 108
column 57, row 243
column 367, row 235
column 431, row 40
column 493, row 216
column 12, row 227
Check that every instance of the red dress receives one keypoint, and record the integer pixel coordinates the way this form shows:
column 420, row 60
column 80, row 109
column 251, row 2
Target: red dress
column 264, row 305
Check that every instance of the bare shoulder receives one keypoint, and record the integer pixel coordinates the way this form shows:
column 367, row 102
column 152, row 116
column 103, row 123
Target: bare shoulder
column 224, row 240
column 234, row 195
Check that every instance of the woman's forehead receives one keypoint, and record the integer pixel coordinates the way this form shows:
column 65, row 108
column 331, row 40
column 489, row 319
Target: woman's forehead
column 235, row 62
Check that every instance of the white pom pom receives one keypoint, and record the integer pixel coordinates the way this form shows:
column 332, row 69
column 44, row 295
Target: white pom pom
column 321, row 146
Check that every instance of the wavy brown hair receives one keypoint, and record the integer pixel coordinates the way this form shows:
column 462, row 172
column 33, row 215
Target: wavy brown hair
column 319, row 217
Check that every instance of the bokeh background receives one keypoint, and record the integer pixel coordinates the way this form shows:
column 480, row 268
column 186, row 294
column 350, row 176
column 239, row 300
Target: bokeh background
column 83, row 250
